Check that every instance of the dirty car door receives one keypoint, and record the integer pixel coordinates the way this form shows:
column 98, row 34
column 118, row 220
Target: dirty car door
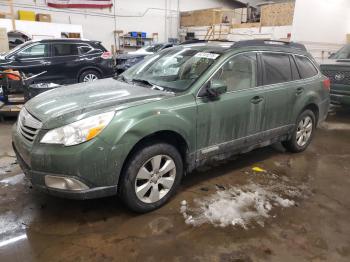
column 278, row 76
column 234, row 120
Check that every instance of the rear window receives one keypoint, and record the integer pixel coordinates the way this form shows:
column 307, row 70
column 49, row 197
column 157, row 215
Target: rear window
column 306, row 68
column 277, row 68
column 65, row 49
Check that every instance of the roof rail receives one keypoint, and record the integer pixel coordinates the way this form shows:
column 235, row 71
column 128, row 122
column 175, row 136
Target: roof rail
column 266, row 42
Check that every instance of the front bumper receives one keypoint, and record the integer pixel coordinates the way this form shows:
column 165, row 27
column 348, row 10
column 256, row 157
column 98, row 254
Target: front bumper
column 340, row 94
column 83, row 163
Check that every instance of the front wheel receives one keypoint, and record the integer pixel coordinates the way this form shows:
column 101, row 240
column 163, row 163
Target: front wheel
column 151, row 177
column 303, row 132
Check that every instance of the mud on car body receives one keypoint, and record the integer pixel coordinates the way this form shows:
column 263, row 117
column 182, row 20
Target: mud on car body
column 178, row 109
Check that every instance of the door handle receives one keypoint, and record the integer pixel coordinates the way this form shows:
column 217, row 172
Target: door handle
column 300, row 90
column 256, row 99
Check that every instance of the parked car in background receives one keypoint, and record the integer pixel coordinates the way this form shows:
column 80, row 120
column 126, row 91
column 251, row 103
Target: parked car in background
column 125, row 61
column 65, row 61
column 138, row 134
column 337, row 68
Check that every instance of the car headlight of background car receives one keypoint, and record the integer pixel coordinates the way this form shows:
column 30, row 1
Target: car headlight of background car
column 79, row 131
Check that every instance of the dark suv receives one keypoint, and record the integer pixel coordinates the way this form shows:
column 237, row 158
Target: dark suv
column 178, row 109
column 337, row 68
column 64, row 60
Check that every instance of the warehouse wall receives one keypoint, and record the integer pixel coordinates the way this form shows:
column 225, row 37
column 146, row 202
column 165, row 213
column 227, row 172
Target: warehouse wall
column 127, row 15
column 321, row 25
column 321, row 20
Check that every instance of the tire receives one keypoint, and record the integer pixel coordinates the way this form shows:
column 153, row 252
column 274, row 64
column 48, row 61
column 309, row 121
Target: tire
column 302, row 133
column 140, row 175
column 93, row 75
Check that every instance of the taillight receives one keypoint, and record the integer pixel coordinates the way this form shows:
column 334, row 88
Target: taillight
column 327, row 84
column 106, row 55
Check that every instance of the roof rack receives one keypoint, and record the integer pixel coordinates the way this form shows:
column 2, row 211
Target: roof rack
column 265, row 42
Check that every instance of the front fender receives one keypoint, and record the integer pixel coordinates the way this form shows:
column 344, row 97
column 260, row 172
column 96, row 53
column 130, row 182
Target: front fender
column 133, row 124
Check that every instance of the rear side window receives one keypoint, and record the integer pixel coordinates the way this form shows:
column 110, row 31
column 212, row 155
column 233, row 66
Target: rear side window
column 84, row 49
column 65, row 49
column 306, row 68
column 277, row 68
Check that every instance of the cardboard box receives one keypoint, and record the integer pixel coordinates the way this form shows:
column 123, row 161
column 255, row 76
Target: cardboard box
column 43, row 18
column 26, row 15
column 277, row 14
column 4, row 41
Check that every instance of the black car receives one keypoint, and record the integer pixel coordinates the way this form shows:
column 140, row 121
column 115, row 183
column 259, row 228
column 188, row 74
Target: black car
column 125, row 61
column 64, row 61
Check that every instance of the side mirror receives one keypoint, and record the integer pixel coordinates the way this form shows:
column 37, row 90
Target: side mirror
column 17, row 58
column 215, row 88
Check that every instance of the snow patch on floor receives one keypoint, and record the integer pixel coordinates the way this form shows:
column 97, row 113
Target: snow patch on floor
column 13, row 180
column 235, row 206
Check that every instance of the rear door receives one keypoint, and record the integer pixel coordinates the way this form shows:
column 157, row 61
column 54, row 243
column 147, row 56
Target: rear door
column 66, row 62
column 234, row 120
column 300, row 90
column 279, row 86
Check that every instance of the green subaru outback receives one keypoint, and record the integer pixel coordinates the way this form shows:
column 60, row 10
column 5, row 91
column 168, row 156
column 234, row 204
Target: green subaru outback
column 138, row 134
column 337, row 68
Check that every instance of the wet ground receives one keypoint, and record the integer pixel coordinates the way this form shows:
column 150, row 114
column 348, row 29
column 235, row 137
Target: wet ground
column 314, row 226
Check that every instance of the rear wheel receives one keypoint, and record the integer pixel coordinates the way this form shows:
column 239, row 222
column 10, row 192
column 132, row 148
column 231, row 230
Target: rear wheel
column 89, row 76
column 151, row 177
column 303, row 132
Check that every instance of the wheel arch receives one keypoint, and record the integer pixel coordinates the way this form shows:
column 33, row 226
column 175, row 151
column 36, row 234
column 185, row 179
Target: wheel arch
column 95, row 68
column 167, row 136
column 314, row 108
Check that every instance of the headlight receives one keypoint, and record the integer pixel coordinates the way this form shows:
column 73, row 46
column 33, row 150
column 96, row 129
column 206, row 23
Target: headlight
column 79, row 131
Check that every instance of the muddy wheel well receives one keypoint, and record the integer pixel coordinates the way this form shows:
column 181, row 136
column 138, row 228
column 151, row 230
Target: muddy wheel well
column 314, row 109
column 170, row 137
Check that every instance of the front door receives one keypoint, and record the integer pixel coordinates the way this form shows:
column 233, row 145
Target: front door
column 234, row 120
column 33, row 60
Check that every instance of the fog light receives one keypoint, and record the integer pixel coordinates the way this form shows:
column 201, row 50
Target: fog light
column 64, row 183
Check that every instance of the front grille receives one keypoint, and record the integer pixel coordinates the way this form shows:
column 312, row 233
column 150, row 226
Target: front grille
column 28, row 126
column 338, row 77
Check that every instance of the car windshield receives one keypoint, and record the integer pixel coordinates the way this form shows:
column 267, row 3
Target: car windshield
column 343, row 53
column 175, row 69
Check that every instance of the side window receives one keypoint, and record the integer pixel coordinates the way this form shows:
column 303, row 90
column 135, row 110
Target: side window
column 306, row 68
column 65, row 49
column 277, row 68
column 84, row 49
column 295, row 73
column 239, row 73
column 35, row 51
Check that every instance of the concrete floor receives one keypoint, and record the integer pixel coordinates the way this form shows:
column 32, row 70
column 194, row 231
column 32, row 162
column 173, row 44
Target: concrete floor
column 37, row 227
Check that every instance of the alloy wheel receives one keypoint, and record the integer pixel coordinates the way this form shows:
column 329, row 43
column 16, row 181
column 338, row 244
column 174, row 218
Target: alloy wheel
column 90, row 78
column 304, row 131
column 155, row 178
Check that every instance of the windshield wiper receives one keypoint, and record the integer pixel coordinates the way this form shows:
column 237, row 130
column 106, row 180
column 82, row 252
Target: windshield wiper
column 142, row 81
column 121, row 78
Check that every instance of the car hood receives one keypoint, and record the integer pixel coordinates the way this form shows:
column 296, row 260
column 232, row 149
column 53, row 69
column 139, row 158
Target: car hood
column 130, row 56
column 334, row 62
column 67, row 104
